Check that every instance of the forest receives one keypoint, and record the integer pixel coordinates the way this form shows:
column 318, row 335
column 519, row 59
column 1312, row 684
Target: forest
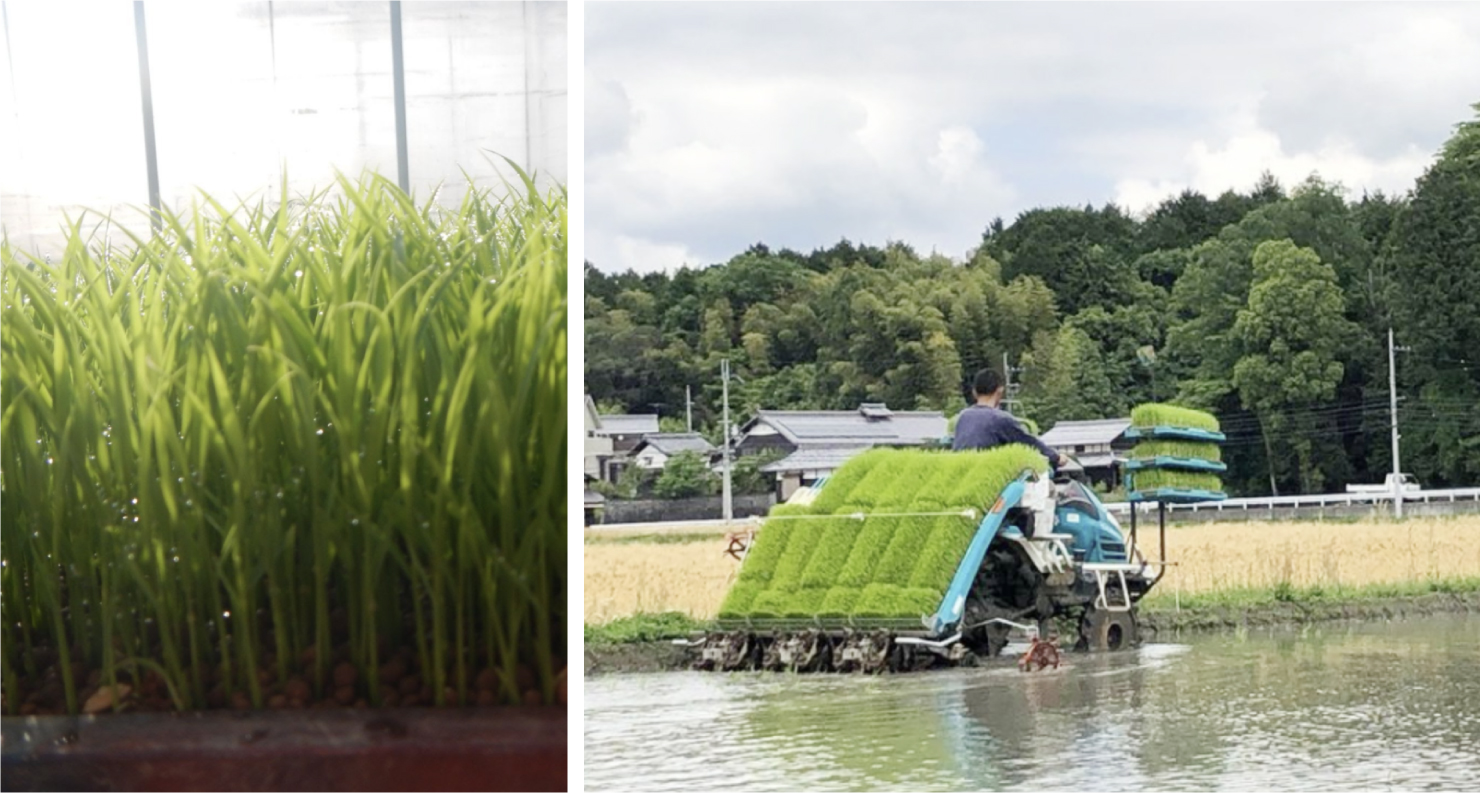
column 1269, row 307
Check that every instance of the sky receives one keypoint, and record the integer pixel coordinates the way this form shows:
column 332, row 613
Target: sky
column 241, row 90
column 714, row 126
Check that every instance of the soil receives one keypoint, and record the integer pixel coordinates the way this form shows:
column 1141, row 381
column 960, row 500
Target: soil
column 399, row 683
column 664, row 656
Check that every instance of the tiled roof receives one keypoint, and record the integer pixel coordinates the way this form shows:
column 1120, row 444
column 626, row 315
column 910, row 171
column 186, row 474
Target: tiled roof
column 671, row 443
column 629, row 424
column 814, row 459
column 1086, row 433
column 872, row 424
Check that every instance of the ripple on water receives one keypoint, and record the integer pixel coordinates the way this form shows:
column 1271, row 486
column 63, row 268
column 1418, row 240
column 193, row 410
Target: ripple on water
column 1336, row 708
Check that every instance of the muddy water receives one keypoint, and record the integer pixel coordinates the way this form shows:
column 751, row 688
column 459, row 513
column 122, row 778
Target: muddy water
column 1371, row 706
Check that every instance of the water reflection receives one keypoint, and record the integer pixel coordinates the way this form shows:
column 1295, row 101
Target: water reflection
column 1366, row 706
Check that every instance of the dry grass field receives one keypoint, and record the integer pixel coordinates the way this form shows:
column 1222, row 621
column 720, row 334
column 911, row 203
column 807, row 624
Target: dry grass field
column 627, row 577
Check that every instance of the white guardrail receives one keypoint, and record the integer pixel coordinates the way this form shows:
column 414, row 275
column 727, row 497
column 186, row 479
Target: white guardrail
column 1464, row 494
column 1319, row 500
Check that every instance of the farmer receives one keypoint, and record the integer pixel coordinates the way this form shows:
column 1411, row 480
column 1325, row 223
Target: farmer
column 984, row 425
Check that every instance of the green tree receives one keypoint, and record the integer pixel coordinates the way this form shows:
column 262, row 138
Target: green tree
column 1294, row 333
column 747, row 477
column 1065, row 380
column 1434, row 261
column 685, row 475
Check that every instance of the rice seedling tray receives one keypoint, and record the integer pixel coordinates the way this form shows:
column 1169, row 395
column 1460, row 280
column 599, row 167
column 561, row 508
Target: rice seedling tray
column 1183, row 463
column 446, row 749
column 920, row 511
column 1175, row 433
column 1176, row 495
column 1153, row 414
column 819, row 622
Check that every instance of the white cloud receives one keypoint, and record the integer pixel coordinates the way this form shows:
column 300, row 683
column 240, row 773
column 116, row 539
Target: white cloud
column 799, row 124
column 1243, row 155
column 644, row 256
column 958, row 152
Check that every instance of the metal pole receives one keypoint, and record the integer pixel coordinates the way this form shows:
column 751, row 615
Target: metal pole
column 146, row 96
column 724, row 370
column 1006, row 383
column 1393, row 407
column 398, row 69
column 688, row 408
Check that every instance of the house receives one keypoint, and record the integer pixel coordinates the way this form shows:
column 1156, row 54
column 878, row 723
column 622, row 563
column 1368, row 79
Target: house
column 1098, row 445
column 598, row 445
column 653, row 451
column 626, row 429
column 813, row 443
column 623, row 431
column 595, row 502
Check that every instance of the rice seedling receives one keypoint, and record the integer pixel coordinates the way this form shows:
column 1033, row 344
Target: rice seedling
column 279, row 455
column 1150, row 448
column 1159, row 415
column 816, row 556
column 1159, row 478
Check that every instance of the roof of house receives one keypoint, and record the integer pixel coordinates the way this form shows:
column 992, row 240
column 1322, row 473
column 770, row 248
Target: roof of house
column 671, row 443
column 1086, row 433
column 871, row 424
column 593, row 419
column 629, row 424
column 824, row 458
column 594, row 499
column 1099, row 460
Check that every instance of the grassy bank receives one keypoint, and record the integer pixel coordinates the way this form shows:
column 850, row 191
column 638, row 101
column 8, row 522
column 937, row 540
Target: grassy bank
column 1209, row 610
column 1218, row 566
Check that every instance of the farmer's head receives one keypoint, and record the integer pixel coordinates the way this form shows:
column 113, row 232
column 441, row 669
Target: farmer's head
column 988, row 385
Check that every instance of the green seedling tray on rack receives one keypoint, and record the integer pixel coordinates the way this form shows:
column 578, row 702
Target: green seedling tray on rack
column 1178, row 433
column 1176, row 495
column 822, row 621
column 1183, row 463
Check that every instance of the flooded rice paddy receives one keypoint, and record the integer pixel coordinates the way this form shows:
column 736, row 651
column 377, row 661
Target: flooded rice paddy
column 1389, row 705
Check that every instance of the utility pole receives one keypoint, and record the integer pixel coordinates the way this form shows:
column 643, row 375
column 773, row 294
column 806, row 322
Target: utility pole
column 1397, row 483
column 1009, row 389
column 724, row 373
column 688, row 399
column 1006, row 382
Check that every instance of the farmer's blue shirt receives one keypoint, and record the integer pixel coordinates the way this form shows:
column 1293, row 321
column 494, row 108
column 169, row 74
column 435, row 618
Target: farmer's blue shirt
column 982, row 427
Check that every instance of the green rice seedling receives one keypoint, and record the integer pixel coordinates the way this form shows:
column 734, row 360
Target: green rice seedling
column 877, row 600
column 767, row 549
column 919, row 552
column 787, row 576
column 804, row 603
column 839, row 601
column 941, row 555
column 842, row 482
column 771, row 603
column 873, row 490
column 991, row 471
column 899, row 557
column 934, row 494
column 918, row 601
column 739, row 599
column 1158, row 478
column 1160, row 415
column 868, row 547
column 271, row 437
column 1149, row 448
column 838, row 538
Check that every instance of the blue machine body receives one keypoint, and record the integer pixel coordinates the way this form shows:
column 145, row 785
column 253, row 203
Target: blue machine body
column 1079, row 514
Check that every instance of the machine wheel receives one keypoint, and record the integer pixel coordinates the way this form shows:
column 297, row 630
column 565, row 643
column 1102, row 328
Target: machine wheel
column 1107, row 631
